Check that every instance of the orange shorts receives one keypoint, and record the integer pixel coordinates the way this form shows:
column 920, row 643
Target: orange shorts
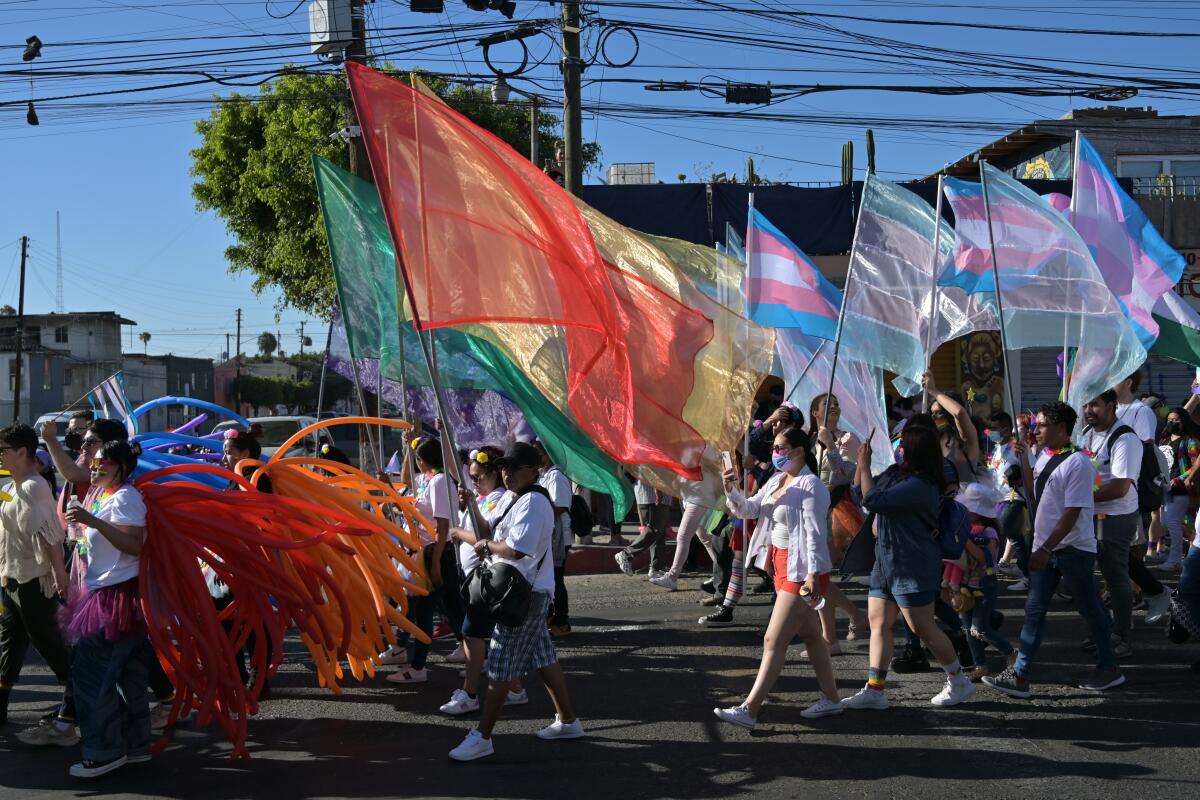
column 779, row 559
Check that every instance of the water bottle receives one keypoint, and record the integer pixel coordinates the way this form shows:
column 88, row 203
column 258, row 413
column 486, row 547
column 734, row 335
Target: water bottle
column 815, row 601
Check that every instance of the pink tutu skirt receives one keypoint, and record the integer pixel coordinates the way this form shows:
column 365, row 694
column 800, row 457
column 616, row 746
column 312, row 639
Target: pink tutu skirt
column 110, row 610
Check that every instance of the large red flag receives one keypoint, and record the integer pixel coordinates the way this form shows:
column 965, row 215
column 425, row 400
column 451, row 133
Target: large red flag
column 482, row 236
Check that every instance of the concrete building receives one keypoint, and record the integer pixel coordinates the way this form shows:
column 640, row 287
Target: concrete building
column 1159, row 159
column 67, row 355
column 627, row 174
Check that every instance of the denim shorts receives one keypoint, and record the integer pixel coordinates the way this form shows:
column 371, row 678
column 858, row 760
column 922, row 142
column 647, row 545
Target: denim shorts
column 911, row 600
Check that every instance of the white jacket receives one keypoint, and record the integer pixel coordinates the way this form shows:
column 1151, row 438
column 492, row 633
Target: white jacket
column 806, row 504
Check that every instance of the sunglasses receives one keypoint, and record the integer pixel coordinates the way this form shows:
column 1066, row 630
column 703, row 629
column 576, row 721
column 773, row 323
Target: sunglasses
column 782, row 448
column 91, row 441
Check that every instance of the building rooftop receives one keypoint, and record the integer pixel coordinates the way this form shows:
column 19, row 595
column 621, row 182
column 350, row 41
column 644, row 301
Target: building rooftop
column 1052, row 131
column 68, row 316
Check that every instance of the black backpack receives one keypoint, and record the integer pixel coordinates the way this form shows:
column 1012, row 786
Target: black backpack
column 1151, row 483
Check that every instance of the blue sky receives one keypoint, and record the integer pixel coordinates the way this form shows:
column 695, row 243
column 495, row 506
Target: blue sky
column 134, row 243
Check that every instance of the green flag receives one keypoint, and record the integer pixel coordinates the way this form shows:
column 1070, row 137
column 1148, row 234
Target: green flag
column 373, row 312
column 1178, row 330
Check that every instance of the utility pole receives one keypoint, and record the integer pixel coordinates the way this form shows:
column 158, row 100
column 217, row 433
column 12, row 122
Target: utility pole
column 534, row 133
column 301, row 337
column 227, row 346
column 238, row 356
column 572, row 68
column 20, row 331
column 357, row 51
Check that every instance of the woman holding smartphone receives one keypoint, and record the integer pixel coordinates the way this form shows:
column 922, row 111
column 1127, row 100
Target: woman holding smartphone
column 793, row 505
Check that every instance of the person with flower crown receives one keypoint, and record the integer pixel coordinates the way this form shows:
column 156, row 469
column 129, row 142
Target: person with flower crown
column 433, row 503
column 479, row 510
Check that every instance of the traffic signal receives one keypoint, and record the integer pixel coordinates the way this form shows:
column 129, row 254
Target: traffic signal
column 505, row 7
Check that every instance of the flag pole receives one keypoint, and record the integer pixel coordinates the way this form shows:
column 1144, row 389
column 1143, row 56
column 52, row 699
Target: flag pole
column 987, row 210
column 362, row 404
column 379, row 408
column 837, row 337
column 811, row 360
column 1066, row 318
column 324, row 367
column 934, row 263
column 746, row 311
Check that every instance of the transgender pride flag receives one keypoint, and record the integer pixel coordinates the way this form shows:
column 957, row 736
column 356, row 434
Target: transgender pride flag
column 1138, row 265
column 784, row 288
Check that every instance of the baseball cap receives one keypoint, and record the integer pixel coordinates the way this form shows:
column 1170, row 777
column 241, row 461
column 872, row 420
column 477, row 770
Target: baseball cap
column 980, row 499
column 520, row 454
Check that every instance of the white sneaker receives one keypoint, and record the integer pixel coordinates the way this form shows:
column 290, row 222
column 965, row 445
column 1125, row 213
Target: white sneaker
column 624, row 562
column 409, row 675
column 48, row 732
column 822, row 708
column 738, row 715
column 1019, row 586
column 160, row 713
column 957, row 690
column 473, row 746
column 517, row 698
column 867, row 699
column 561, row 730
column 460, row 703
column 665, row 581
column 653, row 573
column 396, row 654
column 94, row 769
column 459, row 656
column 1158, row 607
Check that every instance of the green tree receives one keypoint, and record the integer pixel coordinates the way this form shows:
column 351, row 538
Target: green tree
column 267, row 343
column 253, row 169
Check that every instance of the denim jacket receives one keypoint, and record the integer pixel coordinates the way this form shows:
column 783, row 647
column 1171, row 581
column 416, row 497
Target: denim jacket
column 907, row 557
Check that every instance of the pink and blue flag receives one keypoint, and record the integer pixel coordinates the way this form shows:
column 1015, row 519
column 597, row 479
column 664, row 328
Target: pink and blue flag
column 784, row 288
column 1136, row 262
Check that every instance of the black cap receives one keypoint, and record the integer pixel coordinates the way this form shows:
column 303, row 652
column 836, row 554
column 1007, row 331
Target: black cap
column 520, row 454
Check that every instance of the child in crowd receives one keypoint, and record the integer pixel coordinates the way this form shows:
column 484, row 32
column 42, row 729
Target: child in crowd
column 977, row 595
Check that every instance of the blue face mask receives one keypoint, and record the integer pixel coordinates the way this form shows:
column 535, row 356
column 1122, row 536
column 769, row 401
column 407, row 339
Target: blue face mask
column 780, row 461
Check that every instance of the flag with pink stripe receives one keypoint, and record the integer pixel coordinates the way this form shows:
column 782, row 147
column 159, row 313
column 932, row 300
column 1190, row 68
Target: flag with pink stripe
column 784, row 288
column 1136, row 262
column 1053, row 293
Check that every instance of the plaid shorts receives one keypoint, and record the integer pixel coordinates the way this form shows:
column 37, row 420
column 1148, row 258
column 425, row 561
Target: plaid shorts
column 519, row 650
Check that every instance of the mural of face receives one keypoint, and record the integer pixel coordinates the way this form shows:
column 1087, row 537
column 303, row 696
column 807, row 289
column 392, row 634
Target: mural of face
column 982, row 358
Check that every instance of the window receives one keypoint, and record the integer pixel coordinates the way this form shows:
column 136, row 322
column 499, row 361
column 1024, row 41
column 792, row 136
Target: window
column 1162, row 175
column 12, row 376
column 68, row 376
column 60, row 334
column 46, row 375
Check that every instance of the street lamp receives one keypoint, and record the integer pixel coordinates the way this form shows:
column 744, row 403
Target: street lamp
column 501, row 91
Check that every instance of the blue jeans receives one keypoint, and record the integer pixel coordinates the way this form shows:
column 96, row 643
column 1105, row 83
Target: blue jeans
column 1189, row 582
column 110, row 727
column 1078, row 567
column 977, row 624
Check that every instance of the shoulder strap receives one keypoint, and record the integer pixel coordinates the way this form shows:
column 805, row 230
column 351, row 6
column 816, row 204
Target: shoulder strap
column 1044, row 478
column 1120, row 431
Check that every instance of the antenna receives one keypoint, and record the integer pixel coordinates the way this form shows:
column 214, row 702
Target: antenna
column 59, row 305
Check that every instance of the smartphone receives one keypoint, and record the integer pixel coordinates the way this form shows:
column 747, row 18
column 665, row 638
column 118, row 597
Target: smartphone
column 726, row 461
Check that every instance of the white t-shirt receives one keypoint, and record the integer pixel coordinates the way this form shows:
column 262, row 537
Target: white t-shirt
column 559, row 487
column 489, row 509
column 1140, row 417
column 645, row 494
column 1069, row 486
column 1116, row 458
column 106, row 565
column 528, row 529
column 433, row 503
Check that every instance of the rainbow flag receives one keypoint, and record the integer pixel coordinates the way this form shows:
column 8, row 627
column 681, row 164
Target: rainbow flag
column 1136, row 262
column 784, row 288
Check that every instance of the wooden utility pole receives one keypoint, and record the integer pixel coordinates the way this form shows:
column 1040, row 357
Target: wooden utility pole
column 572, row 69
column 20, row 343
column 357, row 51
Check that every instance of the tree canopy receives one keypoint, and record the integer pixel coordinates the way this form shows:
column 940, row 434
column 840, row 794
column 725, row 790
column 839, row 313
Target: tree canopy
column 253, row 169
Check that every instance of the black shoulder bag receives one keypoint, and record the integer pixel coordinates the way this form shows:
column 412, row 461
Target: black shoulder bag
column 496, row 590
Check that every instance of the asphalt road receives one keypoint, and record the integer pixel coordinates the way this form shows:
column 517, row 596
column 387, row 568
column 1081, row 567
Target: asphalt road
column 644, row 678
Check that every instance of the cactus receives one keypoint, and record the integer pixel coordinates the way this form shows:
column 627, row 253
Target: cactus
column 848, row 163
column 870, row 152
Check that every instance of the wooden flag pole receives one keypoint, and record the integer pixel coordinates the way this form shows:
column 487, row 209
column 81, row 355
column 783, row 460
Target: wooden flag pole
column 837, row 337
column 934, row 263
column 1066, row 318
column 987, row 210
